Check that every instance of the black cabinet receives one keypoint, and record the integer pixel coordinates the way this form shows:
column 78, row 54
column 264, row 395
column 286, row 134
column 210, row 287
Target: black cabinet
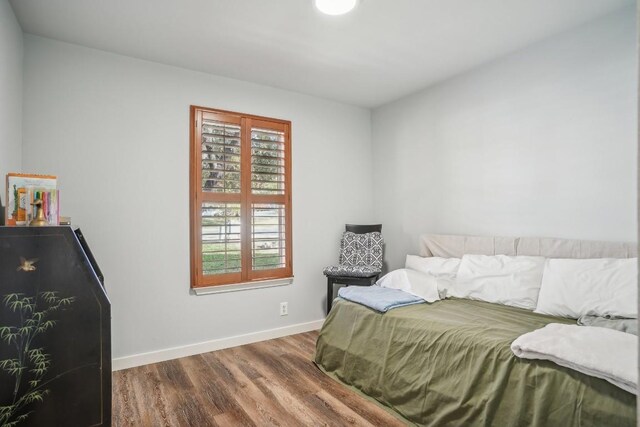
column 55, row 330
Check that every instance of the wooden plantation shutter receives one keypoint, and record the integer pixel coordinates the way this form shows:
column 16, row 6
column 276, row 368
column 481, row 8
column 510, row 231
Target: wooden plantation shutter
column 240, row 198
column 268, row 197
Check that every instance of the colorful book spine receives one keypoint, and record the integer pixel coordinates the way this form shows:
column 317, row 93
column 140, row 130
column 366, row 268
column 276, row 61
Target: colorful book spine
column 50, row 204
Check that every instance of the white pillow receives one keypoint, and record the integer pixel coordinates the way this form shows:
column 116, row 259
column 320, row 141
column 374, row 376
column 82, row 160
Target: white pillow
column 433, row 265
column 501, row 279
column 414, row 282
column 598, row 287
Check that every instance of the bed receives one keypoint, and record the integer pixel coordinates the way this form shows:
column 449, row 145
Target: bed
column 450, row 362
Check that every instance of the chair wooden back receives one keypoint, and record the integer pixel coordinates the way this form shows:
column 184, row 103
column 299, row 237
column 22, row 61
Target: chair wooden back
column 362, row 229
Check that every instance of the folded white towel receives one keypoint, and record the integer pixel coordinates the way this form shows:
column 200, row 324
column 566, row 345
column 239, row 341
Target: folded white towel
column 599, row 352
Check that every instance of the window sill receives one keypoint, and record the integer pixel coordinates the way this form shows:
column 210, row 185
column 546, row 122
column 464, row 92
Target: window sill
column 242, row 286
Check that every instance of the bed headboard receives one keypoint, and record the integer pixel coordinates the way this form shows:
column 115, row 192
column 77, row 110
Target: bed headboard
column 450, row 246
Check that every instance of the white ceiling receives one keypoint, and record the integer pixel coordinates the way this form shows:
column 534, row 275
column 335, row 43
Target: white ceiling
column 383, row 50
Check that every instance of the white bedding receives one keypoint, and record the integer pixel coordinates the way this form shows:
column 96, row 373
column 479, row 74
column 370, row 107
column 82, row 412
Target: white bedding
column 413, row 282
column 597, row 287
column 598, row 352
column 501, row 279
column 445, row 267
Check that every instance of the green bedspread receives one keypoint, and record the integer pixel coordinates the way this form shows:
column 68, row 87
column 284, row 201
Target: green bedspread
column 450, row 364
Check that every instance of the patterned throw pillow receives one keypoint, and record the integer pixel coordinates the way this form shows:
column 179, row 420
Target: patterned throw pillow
column 361, row 249
column 349, row 249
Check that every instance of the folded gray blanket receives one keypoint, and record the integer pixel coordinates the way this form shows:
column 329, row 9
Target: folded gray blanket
column 378, row 298
column 629, row 326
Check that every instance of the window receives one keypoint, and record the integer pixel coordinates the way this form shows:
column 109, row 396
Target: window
column 240, row 198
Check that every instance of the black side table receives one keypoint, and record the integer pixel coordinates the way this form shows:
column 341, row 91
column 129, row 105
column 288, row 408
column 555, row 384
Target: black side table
column 348, row 281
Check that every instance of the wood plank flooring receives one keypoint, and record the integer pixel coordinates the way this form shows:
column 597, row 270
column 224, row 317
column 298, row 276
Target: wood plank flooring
column 272, row 383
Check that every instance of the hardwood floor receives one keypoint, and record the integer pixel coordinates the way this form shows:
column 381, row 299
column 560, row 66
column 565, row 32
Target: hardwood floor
column 272, row 383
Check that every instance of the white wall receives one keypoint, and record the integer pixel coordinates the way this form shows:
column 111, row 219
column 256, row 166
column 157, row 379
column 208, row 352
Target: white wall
column 11, row 49
column 541, row 142
column 116, row 132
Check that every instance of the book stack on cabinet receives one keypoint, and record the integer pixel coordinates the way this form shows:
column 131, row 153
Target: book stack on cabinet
column 23, row 190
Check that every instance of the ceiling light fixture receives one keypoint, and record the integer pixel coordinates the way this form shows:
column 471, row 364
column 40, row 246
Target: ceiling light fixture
column 335, row 7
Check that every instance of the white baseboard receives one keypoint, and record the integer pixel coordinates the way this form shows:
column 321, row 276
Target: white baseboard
column 207, row 346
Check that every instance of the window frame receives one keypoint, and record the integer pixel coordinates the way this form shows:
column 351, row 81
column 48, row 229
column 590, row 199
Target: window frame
column 245, row 198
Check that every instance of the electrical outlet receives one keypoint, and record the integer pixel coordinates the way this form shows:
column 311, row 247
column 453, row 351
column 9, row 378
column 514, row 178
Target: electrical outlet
column 284, row 308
